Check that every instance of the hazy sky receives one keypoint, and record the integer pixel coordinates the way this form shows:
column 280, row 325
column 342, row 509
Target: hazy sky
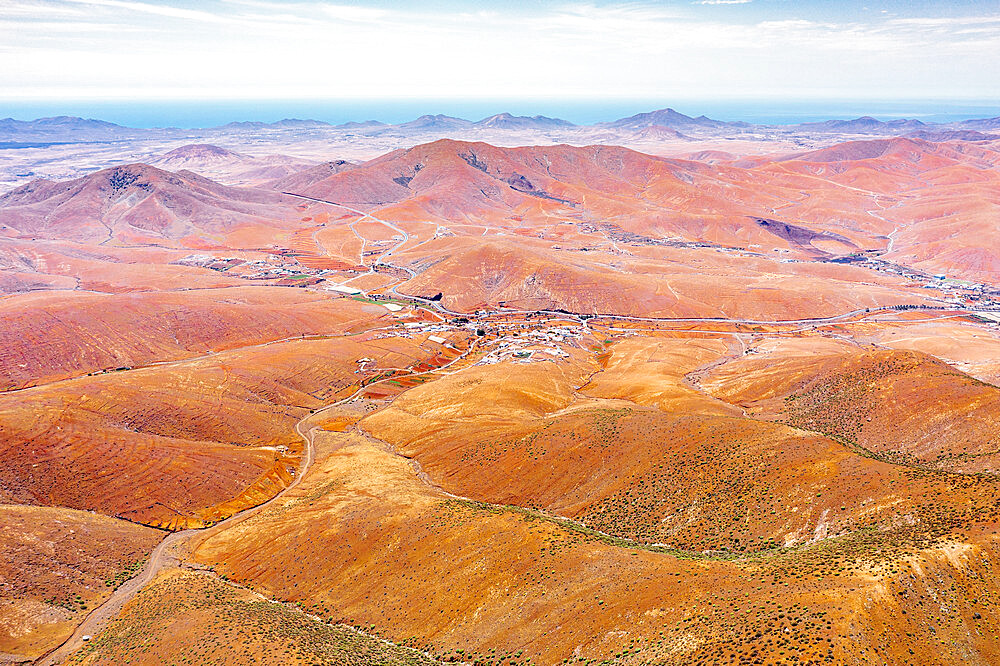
column 696, row 49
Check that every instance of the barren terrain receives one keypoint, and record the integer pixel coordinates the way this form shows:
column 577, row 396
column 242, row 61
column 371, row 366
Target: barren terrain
column 659, row 390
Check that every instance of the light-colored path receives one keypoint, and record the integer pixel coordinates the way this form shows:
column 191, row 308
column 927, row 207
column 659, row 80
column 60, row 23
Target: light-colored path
column 162, row 556
column 209, row 354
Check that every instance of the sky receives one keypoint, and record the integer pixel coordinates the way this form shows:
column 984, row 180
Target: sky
column 148, row 50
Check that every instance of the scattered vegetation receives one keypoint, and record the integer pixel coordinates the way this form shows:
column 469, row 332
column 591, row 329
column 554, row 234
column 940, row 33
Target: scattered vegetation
column 225, row 625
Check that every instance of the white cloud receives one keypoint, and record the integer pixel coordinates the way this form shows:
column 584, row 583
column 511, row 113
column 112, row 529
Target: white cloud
column 312, row 48
column 158, row 10
column 944, row 22
column 723, row 2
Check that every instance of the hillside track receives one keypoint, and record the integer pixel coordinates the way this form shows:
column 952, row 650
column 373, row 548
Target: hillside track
column 163, row 556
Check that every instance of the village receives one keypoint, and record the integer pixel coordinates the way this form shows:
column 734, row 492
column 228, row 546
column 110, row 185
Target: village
column 951, row 290
column 281, row 268
column 523, row 341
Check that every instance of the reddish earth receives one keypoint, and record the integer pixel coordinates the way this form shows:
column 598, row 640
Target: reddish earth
column 55, row 564
column 228, row 166
column 662, row 473
column 475, row 274
column 137, row 203
column 186, row 616
column 180, row 444
column 909, row 185
column 448, row 575
column 492, row 484
column 46, row 337
column 904, row 407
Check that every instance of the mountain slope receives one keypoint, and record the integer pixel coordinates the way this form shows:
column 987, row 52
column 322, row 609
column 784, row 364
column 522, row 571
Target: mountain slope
column 507, row 121
column 435, row 122
column 865, row 125
column 137, row 201
column 669, row 118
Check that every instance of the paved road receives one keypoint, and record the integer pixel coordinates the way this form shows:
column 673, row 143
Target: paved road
column 381, row 259
column 578, row 316
column 715, row 320
column 162, row 555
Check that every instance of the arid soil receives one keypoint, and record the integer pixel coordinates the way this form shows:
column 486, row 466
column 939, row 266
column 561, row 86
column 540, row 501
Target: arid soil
column 57, row 564
column 191, row 616
column 499, row 406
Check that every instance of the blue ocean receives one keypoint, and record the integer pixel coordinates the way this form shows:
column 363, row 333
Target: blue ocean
column 201, row 113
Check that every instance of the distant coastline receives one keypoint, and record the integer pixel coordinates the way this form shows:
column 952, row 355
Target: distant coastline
column 201, row 113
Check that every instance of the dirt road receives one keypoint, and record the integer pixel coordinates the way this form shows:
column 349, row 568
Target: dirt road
column 163, row 555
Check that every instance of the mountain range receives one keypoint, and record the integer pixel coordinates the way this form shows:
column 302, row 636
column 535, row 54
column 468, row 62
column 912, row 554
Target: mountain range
column 80, row 129
column 297, row 394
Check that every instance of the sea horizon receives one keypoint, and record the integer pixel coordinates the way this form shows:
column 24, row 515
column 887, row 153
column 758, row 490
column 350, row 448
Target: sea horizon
column 195, row 113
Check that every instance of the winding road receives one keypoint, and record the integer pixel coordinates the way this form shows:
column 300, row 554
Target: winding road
column 379, row 259
column 582, row 318
column 162, row 556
